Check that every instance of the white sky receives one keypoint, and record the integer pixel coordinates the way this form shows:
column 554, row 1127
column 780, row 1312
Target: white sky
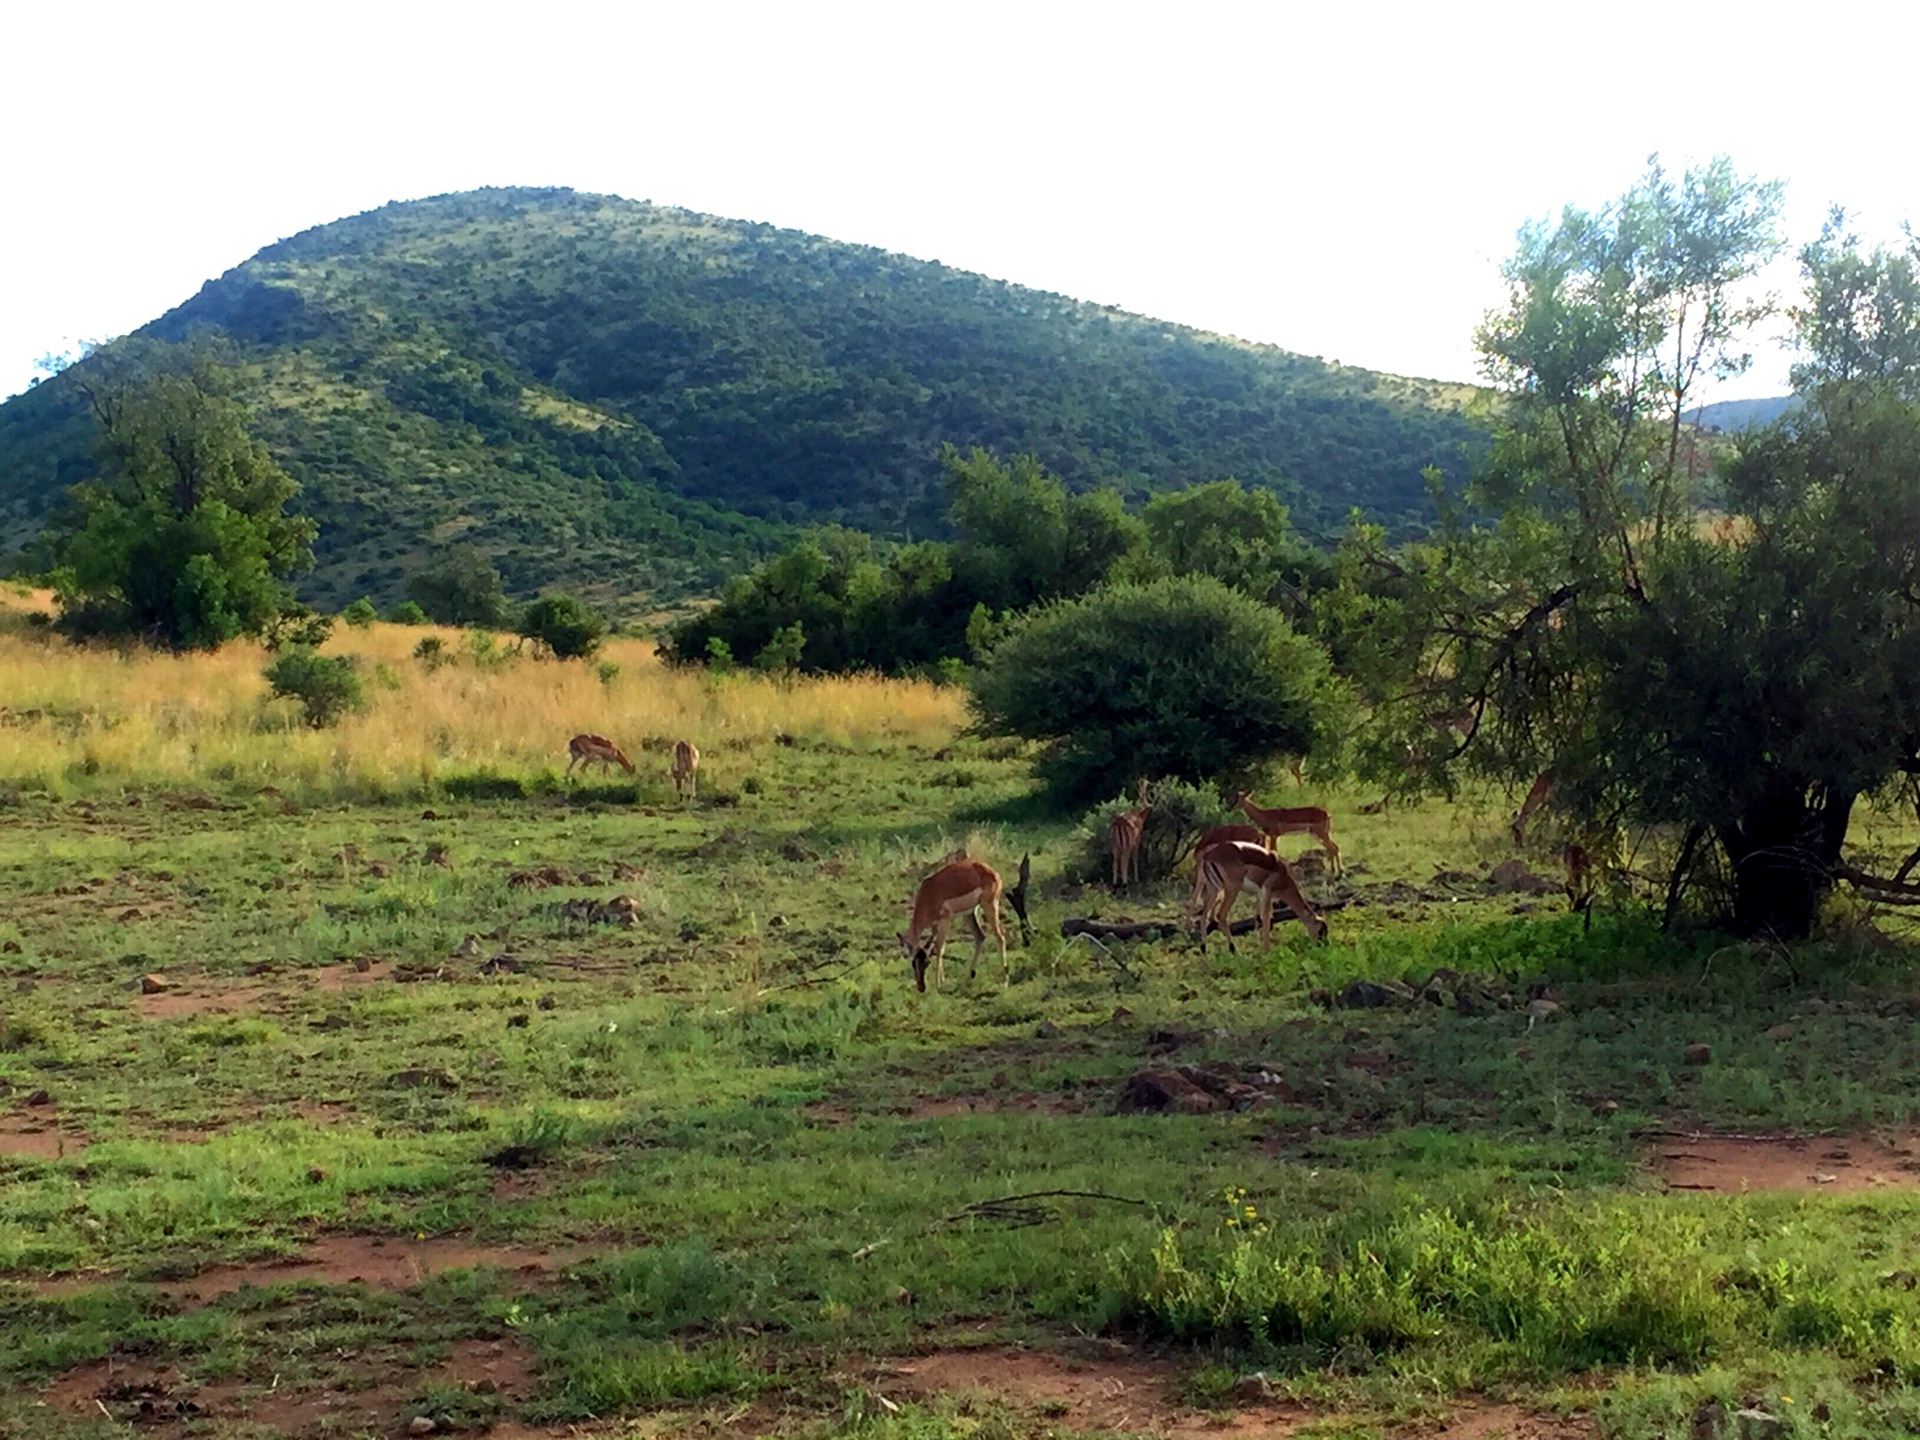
column 1339, row 179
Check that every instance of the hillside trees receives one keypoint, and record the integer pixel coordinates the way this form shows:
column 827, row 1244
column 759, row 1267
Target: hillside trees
column 183, row 538
column 459, row 586
column 1175, row 678
column 1740, row 682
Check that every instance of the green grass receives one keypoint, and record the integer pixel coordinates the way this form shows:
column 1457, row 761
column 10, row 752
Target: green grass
column 751, row 1143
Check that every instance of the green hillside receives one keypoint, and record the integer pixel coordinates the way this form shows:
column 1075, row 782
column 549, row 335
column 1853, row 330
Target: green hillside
column 630, row 398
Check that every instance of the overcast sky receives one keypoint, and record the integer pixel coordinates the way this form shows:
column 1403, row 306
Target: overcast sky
column 1342, row 180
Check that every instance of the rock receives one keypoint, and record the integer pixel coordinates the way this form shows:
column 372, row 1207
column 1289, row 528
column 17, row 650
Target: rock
column 11, row 947
column 1699, row 1054
column 1151, row 1091
column 1372, row 994
column 1782, row 1031
column 1253, row 1389
column 1516, row 877
column 1758, row 1425
column 421, row 1425
column 1374, row 1062
column 1899, row 1280
column 1538, row 1010
column 38, row 1097
column 502, row 964
column 318, row 1175
column 151, row 984
column 468, row 946
column 423, row 1075
column 23, row 987
column 1709, row 1420
column 1046, row 1030
column 547, row 1001
column 1606, row 1107
column 518, row 1020
column 362, row 964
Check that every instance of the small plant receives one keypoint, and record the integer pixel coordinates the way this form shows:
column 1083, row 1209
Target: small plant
column 720, row 659
column 563, row 626
column 360, row 614
column 431, row 652
column 607, row 671
column 781, row 654
column 407, row 613
column 327, row 686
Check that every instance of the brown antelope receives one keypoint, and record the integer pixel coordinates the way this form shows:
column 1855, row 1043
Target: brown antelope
column 1536, row 797
column 1221, row 835
column 585, row 749
column 960, row 887
column 1296, row 820
column 1227, row 869
column 1578, row 861
column 686, row 762
column 1123, row 839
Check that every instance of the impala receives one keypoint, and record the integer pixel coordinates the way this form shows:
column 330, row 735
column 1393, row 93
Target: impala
column 585, row 749
column 1227, row 869
column 1536, row 797
column 1123, row 839
column 1297, row 820
column 686, row 761
column 1221, row 835
column 960, row 887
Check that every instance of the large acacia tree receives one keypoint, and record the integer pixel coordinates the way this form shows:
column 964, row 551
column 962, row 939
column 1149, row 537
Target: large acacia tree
column 1730, row 650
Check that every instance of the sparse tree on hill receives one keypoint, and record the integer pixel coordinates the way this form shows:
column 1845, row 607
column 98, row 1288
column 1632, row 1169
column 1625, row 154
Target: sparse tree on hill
column 565, row 627
column 459, row 586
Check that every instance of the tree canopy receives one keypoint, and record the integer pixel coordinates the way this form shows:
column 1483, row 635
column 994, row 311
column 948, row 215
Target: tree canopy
column 183, row 538
column 1732, row 659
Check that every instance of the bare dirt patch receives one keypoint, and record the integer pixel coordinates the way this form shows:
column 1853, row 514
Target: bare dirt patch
column 1111, row 1391
column 201, row 1000
column 938, row 1107
column 1507, row 1422
column 1733, row 1163
column 390, row 1264
column 159, row 1400
column 25, row 1139
column 351, row 975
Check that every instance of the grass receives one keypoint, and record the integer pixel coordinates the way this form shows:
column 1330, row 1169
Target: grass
column 750, row 1146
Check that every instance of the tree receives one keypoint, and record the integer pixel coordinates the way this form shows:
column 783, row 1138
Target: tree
column 459, row 586
column 1179, row 677
column 1242, row 537
column 1730, row 663
column 565, row 627
column 1020, row 537
column 327, row 686
column 182, row 539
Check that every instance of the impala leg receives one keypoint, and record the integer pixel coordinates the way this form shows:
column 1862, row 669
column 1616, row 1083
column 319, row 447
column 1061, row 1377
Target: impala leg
column 1333, row 853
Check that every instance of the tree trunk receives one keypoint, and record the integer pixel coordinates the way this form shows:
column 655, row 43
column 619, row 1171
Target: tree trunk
column 1782, row 852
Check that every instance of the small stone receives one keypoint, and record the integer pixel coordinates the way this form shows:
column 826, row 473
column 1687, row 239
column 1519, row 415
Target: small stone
column 23, row 987
column 38, row 1097
column 546, row 1002
column 362, row 964
column 518, row 1020
column 318, row 1175
column 1781, row 1032
column 421, row 1425
column 423, row 1075
column 1606, row 1107
column 151, row 984
column 11, row 947
column 1046, row 1030
column 1709, row 1420
column 1699, row 1054
column 1253, row 1389
column 1759, row 1425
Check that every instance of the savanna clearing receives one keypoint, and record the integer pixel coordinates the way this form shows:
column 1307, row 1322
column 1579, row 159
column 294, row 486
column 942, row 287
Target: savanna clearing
column 362, row 1078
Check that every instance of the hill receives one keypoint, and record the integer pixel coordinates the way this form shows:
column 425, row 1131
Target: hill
column 632, row 398
column 1739, row 414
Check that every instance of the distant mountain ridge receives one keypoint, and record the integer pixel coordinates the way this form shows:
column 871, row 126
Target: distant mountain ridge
column 627, row 398
column 1739, row 414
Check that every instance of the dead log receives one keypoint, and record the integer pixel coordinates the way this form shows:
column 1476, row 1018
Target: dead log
column 1166, row 929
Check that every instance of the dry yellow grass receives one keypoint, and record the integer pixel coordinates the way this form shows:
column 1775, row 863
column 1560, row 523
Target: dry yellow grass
column 145, row 718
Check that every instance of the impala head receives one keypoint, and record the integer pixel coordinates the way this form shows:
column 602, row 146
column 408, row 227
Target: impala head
column 1317, row 928
column 1240, row 798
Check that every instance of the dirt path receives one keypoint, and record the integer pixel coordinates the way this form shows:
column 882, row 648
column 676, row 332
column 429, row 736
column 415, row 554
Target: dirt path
column 1732, row 1164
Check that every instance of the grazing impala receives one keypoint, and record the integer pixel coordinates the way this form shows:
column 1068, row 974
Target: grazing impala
column 686, row 761
column 1221, row 835
column 1227, row 869
column 585, row 749
column 1298, row 820
column 1123, row 839
column 960, row 887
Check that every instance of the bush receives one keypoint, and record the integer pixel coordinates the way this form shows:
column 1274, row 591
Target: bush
column 1178, row 814
column 459, row 587
column 327, row 686
column 1182, row 678
column 565, row 627
column 407, row 613
column 432, row 652
column 360, row 613
column 298, row 628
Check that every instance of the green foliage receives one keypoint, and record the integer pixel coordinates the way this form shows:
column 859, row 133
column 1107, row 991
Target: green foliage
column 678, row 390
column 360, row 614
column 431, row 652
column 181, row 540
column 407, row 613
column 327, row 686
column 459, row 586
column 782, row 652
column 1741, row 681
column 1178, row 814
column 1241, row 537
column 565, row 627
column 1181, row 678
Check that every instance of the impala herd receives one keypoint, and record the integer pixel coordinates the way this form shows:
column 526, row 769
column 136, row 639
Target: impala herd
column 1229, row 860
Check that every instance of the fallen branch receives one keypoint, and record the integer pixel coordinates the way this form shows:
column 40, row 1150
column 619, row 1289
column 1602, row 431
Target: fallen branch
column 1075, row 925
column 1017, row 1211
column 1887, row 892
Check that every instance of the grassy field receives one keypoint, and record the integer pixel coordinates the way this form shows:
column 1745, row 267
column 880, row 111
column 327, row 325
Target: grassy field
column 329, row 1100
